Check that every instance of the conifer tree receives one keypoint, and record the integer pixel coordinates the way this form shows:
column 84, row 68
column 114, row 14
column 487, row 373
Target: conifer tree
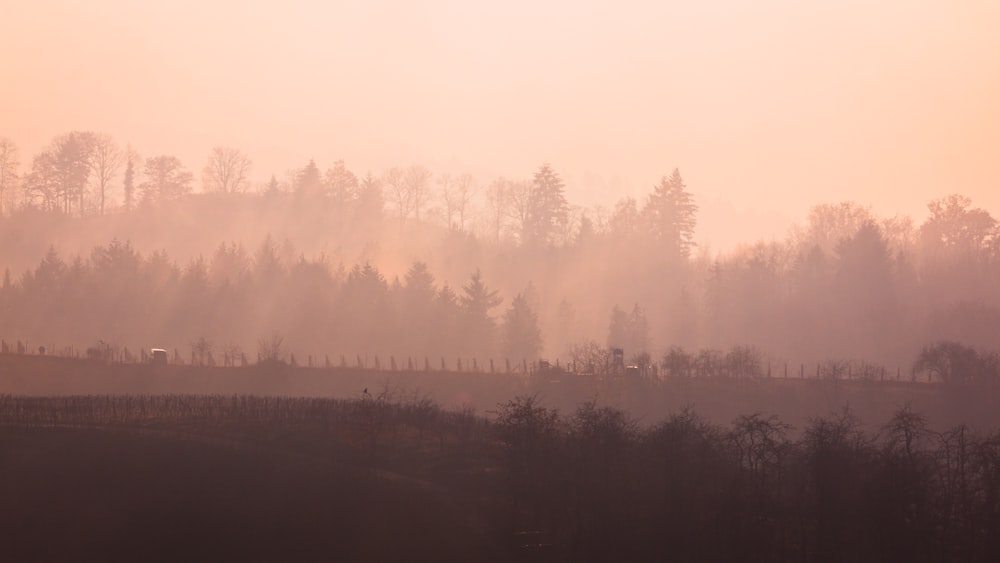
column 522, row 339
column 547, row 209
column 672, row 216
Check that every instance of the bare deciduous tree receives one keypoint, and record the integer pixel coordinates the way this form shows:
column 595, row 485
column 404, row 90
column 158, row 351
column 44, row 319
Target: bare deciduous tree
column 456, row 193
column 226, row 171
column 106, row 159
column 341, row 185
column 519, row 205
column 392, row 179
column 497, row 203
column 59, row 174
column 271, row 349
column 408, row 190
column 201, row 352
column 418, row 188
column 445, row 180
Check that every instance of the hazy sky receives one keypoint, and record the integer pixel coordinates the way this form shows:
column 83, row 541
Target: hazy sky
column 769, row 105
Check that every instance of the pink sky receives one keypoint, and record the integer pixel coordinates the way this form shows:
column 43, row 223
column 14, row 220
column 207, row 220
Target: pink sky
column 769, row 105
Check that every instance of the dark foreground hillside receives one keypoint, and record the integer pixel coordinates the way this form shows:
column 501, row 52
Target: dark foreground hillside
column 200, row 477
column 90, row 495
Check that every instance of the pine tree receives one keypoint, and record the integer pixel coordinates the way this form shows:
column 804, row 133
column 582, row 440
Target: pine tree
column 272, row 187
column 369, row 202
column 629, row 331
column 618, row 328
column 522, row 339
column 547, row 209
column 672, row 215
column 309, row 181
column 416, row 302
column 477, row 302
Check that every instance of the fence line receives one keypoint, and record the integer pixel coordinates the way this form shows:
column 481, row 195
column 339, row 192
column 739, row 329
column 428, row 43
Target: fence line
column 234, row 358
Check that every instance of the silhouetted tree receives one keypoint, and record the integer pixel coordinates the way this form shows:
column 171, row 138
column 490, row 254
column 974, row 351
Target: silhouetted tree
column 59, row 174
column 477, row 301
column 342, row 187
column 271, row 188
column 271, row 349
column 829, row 223
column 529, row 432
column 448, row 316
column 624, row 224
column 547, row 210
column 672, row 216
column 417, row 309
column 417, row 186
column 370, row 202
column 364, row 298
column 230, row 264
column 105, row 161
column 629, row 331
column 166, row 179
column 456, row 194
column 522, row 339
column 394, row 181
column 837, row 459
column 955, row 228
column 497, row 207
column 956, row 364
column 903, row 486
column 602, row 452
column 677, row 362
column 308, row 181
column 267, row 264
column 226, row 171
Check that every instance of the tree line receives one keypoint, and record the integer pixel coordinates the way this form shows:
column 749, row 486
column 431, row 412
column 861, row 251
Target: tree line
column 845, row 284
column 84, row 173
column 119, row 296
column 756, row 489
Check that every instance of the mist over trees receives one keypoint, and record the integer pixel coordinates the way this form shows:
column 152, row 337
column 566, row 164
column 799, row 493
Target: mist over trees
column 100, row 243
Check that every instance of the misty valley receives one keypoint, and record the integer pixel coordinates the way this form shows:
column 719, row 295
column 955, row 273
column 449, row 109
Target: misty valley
column 419, row 366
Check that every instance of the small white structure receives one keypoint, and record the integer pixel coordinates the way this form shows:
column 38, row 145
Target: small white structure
column 158, row 356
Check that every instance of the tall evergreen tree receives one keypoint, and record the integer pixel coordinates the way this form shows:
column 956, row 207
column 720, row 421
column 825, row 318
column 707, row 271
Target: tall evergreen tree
column 672, row 215
column 547, row 209
column 477, row 302
column 309, row 181
column 522, row 339
column 369, row 202
column 447, row 317
column 629, row 331
column 416, row 302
